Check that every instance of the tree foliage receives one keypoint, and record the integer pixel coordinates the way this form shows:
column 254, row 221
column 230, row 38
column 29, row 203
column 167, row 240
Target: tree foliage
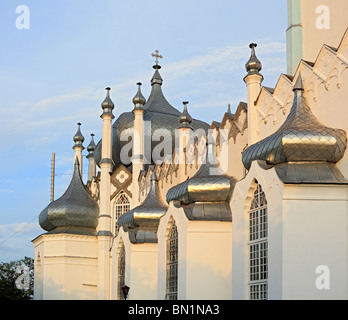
column 13, row 284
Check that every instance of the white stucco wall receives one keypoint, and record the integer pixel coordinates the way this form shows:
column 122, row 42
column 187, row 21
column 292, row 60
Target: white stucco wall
column 205, row 257
column 314, row 234
column 68, row 267
column 141, row 268
column 307, row 228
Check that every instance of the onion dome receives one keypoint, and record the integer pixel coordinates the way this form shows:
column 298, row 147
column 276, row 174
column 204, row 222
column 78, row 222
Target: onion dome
column 207, row 192
column 159, row 113
column 78, row 138
column 253, row 66
column 91, row 147
column 139, row 99
column 185, row 119
column 75, row 212
column 107, row 105
column 302, row 138
column 142, row 222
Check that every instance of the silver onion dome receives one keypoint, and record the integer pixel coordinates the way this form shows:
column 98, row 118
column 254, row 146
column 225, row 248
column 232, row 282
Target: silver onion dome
column 139, row 100
column 75, row 212
column 142, row 222
column 78, row 137
column 301, row 138
column 107, row 105
column 160, row 116
column 205, row 196
column 253, row 66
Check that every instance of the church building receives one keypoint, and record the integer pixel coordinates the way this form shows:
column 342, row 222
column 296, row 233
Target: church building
column 253, row 206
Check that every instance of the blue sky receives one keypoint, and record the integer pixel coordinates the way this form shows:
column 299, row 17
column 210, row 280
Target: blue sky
column 53, row 75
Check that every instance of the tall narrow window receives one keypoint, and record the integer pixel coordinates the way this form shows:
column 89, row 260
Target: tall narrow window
column 172, row 264
column 258, row 247
column 121, row 271
column 122, row 207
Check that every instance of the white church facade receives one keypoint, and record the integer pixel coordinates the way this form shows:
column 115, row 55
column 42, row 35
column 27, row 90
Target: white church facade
column 252, row 207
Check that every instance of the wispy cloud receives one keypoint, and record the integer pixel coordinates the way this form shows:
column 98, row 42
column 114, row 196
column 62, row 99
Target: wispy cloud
column 15, row 240
column 6, row 191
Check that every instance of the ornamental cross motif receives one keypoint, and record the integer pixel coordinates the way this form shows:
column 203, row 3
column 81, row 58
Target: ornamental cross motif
column 157, row 55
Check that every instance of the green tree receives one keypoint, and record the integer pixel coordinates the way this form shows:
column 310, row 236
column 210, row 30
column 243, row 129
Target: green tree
column 11, row 277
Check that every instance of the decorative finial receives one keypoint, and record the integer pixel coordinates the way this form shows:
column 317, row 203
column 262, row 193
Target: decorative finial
column 91, row 146
column 78, row 137
column 139, row 100
column 298, row 84
column 107, row 104
column 157, row 55
column 229, row 109
column 253, row 66
column 185, row 119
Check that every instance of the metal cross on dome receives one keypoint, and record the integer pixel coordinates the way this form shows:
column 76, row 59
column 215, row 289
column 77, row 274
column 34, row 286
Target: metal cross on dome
column 157, row 55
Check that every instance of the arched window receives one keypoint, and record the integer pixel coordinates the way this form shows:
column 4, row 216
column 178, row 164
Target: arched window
column 121, row 271
column 122, row 207
column 258, row 246
column 172, row 264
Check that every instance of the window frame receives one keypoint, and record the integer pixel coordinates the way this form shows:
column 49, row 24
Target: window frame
column 257, row 243
column 172, row 263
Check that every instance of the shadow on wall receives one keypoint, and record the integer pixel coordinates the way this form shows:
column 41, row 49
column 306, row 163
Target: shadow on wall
column 55, row 291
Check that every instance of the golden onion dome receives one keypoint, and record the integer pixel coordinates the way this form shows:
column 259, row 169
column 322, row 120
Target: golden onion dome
column 301, row 138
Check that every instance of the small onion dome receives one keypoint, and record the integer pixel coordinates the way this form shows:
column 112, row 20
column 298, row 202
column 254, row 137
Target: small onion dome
column 185, row 119
column 139, row 100
column 91, row 147
column 78, row 138
column 142, row 222
column 210, row 185
column 75, row 212
column 301, row 138
column 253, row 66
column 107, row 104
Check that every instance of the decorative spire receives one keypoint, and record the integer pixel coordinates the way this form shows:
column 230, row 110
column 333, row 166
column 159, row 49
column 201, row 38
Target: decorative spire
column 157, row 55
column 107, row 104
column 139, row 99
column 298, row 84
column 91, row 146
column 185, row 119
column 78, row 138
column 229, row 109
column 253, row 66
column 156, row 79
